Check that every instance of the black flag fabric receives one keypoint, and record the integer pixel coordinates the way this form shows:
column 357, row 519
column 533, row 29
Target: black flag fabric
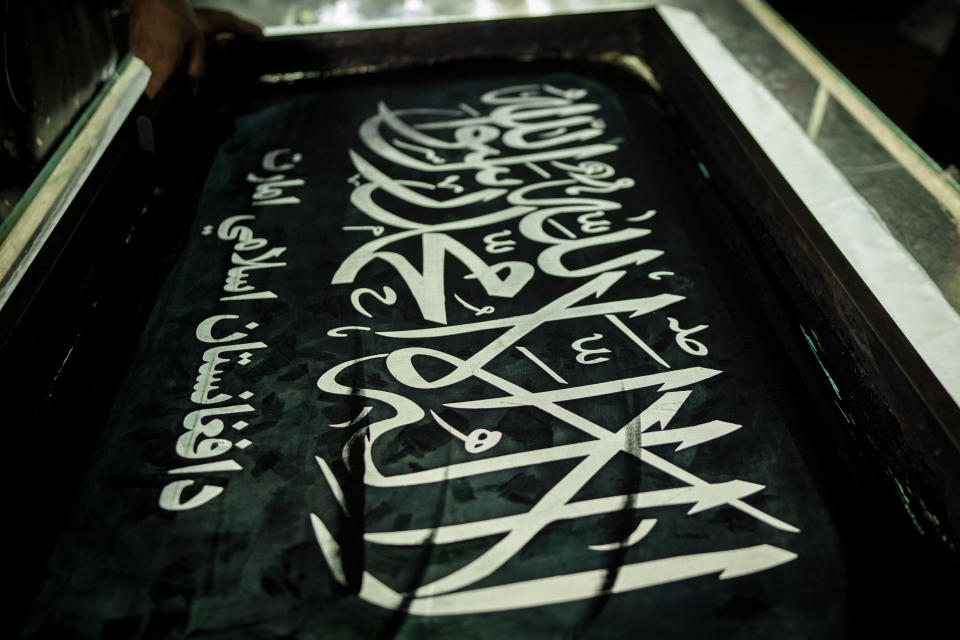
column 452, row 359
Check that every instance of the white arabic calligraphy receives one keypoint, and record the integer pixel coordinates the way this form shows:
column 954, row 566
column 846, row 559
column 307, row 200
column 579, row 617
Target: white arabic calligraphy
column 530, row 164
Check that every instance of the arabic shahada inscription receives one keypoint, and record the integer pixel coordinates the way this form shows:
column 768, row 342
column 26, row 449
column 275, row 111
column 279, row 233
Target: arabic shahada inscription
column 519, row 165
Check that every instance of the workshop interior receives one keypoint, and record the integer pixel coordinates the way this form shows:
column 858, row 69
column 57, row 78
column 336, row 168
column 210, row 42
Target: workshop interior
column 468, row 318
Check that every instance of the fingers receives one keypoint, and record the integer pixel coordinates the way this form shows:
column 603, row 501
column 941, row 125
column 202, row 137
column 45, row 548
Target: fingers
column 162, row 32
column 198, row 66
column 161, row 69
column 214, row 21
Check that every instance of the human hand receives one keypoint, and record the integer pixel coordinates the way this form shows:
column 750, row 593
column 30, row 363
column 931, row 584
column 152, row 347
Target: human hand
column 162, row 31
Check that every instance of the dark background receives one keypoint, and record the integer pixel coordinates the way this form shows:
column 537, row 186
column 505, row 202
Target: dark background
column 904, row 55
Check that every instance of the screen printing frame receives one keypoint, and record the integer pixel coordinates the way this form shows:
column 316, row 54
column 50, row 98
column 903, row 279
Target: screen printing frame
column 883, row 342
